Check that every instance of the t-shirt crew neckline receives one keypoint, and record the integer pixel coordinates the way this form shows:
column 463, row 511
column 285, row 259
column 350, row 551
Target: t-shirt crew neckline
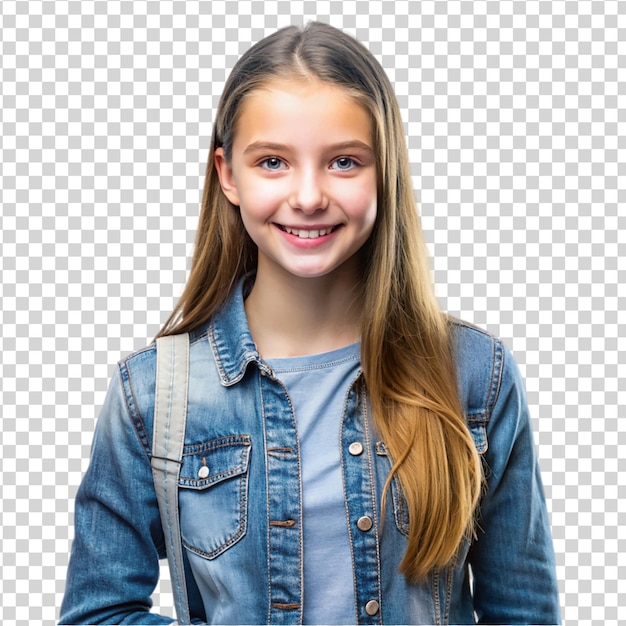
column 306, row 362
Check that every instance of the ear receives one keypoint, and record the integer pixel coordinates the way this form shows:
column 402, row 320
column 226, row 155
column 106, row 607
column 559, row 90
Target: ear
column 225, row 174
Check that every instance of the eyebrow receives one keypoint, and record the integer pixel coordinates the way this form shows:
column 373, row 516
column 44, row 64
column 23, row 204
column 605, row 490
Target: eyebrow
column 279, row 147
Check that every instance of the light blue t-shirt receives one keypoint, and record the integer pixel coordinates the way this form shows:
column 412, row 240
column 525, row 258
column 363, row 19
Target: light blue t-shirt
column 317, row 385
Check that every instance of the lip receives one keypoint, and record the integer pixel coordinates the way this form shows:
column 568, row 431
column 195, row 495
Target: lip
column 319, row 226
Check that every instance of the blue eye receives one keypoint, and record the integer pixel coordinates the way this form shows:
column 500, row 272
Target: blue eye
column 273, row 164
column 343, row 164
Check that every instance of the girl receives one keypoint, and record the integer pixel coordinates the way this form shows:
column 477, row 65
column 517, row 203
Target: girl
column 351, row 454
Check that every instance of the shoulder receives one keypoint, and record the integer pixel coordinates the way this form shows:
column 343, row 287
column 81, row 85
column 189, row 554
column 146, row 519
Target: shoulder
column 141, row 365
column 484, row 366
column 137, row 373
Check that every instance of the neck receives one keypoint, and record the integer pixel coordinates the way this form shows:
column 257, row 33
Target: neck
column 292, row 316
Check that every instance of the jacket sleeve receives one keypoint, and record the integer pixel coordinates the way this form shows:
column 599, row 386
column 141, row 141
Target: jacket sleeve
column 114, row 563
column 512, row 558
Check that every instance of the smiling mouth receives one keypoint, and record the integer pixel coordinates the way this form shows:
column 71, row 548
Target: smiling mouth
column 308, row 234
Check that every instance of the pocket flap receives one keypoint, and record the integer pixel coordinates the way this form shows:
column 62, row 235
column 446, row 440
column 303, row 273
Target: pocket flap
column 477, row 425
column 216, row 460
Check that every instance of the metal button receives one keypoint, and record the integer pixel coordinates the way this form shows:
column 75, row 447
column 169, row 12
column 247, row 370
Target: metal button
column 364, row 524
column 203, row 472
column 371, row 608
column 356, row 448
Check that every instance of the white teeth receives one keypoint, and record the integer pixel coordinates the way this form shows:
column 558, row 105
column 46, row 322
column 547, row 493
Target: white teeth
column 308, row 234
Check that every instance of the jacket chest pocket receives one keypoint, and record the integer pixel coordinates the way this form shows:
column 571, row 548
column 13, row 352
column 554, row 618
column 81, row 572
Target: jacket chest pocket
column 213, row 494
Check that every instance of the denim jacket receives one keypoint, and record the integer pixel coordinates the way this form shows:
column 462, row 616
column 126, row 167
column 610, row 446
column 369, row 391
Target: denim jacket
column 240, row 520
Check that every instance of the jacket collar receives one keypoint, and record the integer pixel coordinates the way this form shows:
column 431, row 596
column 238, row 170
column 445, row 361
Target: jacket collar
column 230, row 338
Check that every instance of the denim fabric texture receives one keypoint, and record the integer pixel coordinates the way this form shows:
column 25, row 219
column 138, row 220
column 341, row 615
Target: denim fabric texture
column 241, row 507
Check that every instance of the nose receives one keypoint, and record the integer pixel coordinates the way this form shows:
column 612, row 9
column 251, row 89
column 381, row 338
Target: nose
column 308, row 194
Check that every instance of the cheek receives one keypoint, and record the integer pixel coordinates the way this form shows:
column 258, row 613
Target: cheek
column 369, row 211
column 363, row 203
column 260, row 197
column 370, row 219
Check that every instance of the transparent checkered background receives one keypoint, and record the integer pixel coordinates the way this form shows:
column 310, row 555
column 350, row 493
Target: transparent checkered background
column 516, row 120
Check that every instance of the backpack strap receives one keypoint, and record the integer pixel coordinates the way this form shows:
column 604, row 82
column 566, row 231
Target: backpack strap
column 170, row 416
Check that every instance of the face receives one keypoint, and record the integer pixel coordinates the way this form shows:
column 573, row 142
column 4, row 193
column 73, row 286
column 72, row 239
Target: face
column 303, row 174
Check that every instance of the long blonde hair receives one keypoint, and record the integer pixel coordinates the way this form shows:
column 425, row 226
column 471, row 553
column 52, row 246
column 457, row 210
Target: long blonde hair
column 406, row 346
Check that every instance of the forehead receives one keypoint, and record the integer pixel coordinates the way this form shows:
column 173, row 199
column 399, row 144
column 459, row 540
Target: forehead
column 304, row 109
